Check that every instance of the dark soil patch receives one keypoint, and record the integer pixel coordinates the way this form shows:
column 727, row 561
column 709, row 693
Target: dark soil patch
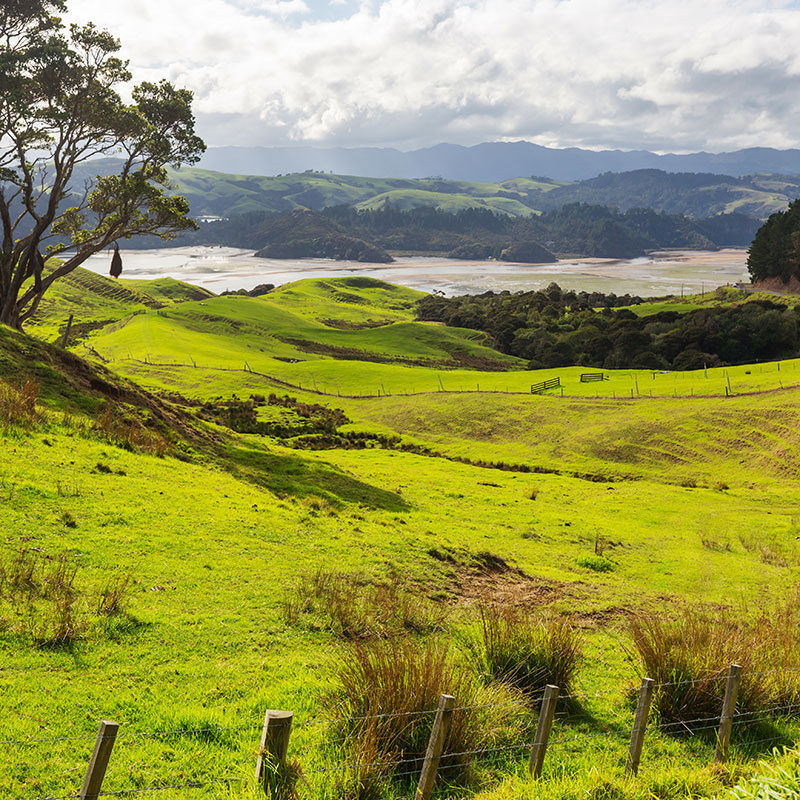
column 350, row 325
column 488, row 578
column 354, row 354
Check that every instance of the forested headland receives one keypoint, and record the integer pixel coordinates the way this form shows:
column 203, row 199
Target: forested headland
column 577, row 229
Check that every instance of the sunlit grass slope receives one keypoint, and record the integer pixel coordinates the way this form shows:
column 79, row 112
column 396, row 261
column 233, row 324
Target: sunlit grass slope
column 313, row 325
column 694, row 499
column 212, row 192
column 405, row 199
column 96, row 299
column 213, row 540
column 356, row 336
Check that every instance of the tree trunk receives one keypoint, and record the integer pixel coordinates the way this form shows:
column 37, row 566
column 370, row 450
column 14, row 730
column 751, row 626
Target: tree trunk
column 10, row 317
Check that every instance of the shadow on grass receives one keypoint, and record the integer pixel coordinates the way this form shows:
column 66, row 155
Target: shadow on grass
column 122, row 626
column 290, row 475
column 748, row 738
column 761, row 737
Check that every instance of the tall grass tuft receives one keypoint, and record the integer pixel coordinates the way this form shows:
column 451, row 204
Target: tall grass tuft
column 387, row 693
column 124, row 430
column 113, row 595
column 40, row 599
column 526, row 650
column 18, row 404
column 354, row 609
column 690, row 656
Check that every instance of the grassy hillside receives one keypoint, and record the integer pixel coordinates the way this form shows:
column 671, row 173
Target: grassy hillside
column 217, row 193
column 694, row 194
column 95, row 300
column 404, row 199
column 689, row 499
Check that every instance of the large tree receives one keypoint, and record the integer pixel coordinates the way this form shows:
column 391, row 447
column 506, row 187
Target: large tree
column 60, row 109
column 775, row 251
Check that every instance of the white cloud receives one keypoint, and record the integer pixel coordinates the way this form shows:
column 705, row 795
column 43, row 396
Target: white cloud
column 660, row 74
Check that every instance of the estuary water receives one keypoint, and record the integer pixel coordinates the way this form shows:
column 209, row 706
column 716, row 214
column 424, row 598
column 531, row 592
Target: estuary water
column 224, row 268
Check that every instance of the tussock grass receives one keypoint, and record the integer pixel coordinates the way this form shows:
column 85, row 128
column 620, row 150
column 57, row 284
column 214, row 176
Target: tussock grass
column 525, row 650
column 691, row 655
column 353, row 609
column 42, row 596
column 125, row 431
column 41, row 601
column 114, row 595
column 18, row 405
column 387, row 690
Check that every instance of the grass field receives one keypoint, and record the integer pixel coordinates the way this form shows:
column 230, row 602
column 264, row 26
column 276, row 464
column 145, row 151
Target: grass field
column 688, row 498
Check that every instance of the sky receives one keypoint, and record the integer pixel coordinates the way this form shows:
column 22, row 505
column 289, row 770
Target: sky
column 667, row 76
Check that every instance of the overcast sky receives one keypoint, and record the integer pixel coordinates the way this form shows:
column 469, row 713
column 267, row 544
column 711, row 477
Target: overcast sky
column 674, row 75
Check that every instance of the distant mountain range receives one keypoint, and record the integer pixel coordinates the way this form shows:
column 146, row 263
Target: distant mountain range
column 491, row 161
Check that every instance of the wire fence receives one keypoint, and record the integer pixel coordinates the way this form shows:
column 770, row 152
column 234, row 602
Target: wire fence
column 631, row 391
column 566, row 710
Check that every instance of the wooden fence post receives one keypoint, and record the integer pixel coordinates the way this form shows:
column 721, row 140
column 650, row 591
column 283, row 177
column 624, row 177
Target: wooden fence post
column 726, row 719
column 441, row 725
column 96, row 771
column 273, row 748
column 543, row 730
column 639, row 726
column 65, row 337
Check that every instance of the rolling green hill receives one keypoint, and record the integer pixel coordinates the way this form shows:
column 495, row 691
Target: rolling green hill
column 694, row 194
column 219, row 194
column 208, row 509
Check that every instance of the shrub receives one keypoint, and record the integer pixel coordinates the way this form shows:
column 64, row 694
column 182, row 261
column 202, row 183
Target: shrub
column 355, row 610
column 388, row 691
column 595, row 563
column 525, row 650
column 690, row 655
column 18, row 404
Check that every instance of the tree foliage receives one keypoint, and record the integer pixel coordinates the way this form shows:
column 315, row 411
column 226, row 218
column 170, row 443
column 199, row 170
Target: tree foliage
column 556, row 328
column 576, row 229
column 775, row 252
column 60, row 108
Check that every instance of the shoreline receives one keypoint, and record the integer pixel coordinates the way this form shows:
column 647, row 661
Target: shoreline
column 657, row 274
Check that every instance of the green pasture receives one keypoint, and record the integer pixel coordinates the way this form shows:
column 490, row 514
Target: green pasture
column 203, row 337
column 334, row 349
column 203, row 644
column 406, row 199
column 691, row 496
column 97, row 299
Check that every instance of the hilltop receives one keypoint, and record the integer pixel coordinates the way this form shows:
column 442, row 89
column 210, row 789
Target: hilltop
column 493, row 161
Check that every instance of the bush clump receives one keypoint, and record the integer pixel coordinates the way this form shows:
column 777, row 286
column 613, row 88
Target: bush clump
column 596, row 563
column 388, row 691
column 691, row 654
column 525, row 650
